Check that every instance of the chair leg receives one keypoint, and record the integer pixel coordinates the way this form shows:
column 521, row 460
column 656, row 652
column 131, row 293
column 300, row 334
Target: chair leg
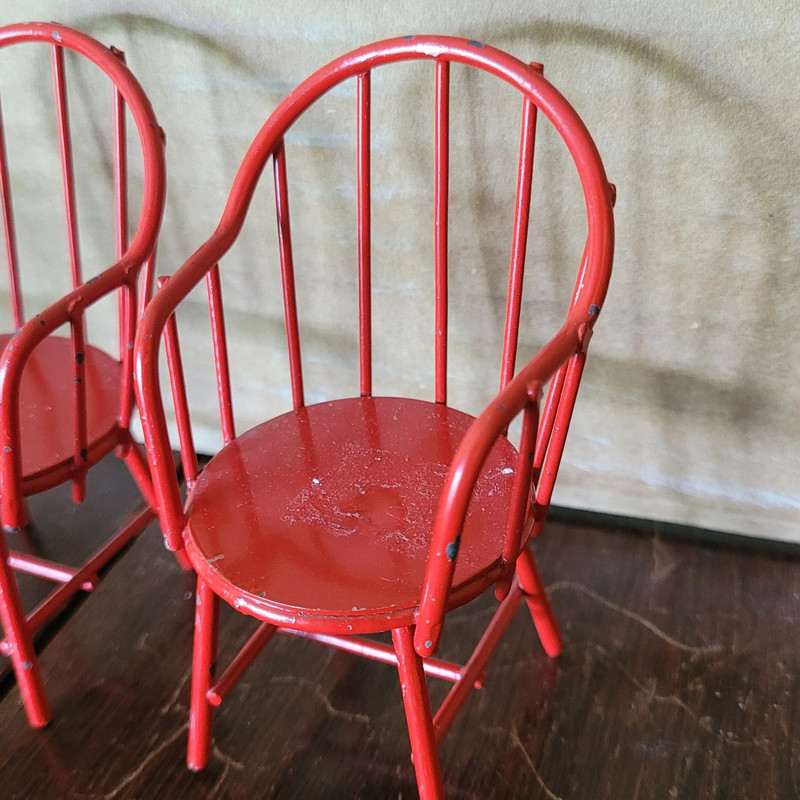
column 206, row 620
column 20, row 646
column 543, row 618
column 137, row 466
column 14, row 513
column 418, row 715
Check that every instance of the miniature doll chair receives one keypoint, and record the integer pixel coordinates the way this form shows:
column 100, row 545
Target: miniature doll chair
column 374, row 514
column 66, row 404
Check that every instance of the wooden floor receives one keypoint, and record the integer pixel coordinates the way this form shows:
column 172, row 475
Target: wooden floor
column 680, row 679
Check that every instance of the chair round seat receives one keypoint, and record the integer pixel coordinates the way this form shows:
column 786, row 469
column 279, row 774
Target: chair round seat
column 47, row 414
column 322, row 518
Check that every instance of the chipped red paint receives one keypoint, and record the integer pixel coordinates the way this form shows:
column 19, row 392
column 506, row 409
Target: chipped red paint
column 376, row 514
column 64, row 404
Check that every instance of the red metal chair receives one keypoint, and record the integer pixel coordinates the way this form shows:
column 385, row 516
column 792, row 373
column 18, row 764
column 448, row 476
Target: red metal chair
column 66, row 404
column 375, row 514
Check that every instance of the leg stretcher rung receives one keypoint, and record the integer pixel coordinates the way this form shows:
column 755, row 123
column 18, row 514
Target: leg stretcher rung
column 50, row 606
column 360, row 645
column 477, row 663
column 47, row 570
column 244, row 658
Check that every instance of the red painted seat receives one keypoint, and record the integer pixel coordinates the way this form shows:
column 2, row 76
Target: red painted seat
column 45, row 424
column 324, row 515
column 65, row 403
column 370, row 514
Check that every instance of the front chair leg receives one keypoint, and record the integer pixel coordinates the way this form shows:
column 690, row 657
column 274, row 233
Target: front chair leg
column 418, row 716
column 14, row 512
column 206, row 620
column 20, row 645
column 533, row 589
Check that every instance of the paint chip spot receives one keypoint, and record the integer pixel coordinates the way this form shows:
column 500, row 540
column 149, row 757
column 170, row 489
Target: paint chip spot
column 215, row 558
column 594, row 310
column 452, row 548
column 474, row 43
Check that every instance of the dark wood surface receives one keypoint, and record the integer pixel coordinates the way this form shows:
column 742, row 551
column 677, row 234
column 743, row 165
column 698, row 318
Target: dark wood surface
column 679, row 680
column 68, row 533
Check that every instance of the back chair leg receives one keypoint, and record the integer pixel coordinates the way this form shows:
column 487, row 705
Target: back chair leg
column 137, row 465
column 14, row 513
column 206, row 621
column 543, row 618
column 418, row 715
column 18, row 645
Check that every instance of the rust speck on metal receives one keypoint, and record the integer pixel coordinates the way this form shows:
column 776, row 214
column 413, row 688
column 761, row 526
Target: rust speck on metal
column 452, row 548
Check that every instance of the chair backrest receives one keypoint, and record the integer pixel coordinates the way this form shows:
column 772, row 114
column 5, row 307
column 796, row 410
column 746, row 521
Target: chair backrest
column 126, row 255
column 566, row 348
column 124, row 96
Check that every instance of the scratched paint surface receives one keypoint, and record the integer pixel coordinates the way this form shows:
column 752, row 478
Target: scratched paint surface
column 332, row 507
column 47, row 425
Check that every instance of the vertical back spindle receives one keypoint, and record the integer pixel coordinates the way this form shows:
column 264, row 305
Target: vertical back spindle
column 10, row 232
column 79, row 405
column 548, row 419
column 440, row 201
column 180, row 401
column 519, row 242
column 521, row 492
column 65, row 143
column 287, row 274
column 127, row 332
column 120, row 198
column 120, row 169
column 555, row 448
column 221, row 363
column 364, row 236
column 147, row 282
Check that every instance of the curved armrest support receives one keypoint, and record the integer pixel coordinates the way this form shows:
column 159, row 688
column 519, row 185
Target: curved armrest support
column 147, row 349
column 69, row 310
column 463, row 474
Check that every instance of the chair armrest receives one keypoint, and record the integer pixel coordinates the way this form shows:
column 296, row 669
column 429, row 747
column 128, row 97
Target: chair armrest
column 68, row 310
column 464, row 472
column 147, row 348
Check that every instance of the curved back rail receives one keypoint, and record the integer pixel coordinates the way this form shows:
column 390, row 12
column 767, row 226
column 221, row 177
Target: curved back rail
column 137, row 256
column 559, row 363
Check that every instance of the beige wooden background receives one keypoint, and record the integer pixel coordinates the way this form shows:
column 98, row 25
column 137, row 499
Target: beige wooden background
column 689, row 412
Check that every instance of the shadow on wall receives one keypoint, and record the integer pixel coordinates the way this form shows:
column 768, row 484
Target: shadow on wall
column 704, row 235
column 736, row 269
column 139, row 37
